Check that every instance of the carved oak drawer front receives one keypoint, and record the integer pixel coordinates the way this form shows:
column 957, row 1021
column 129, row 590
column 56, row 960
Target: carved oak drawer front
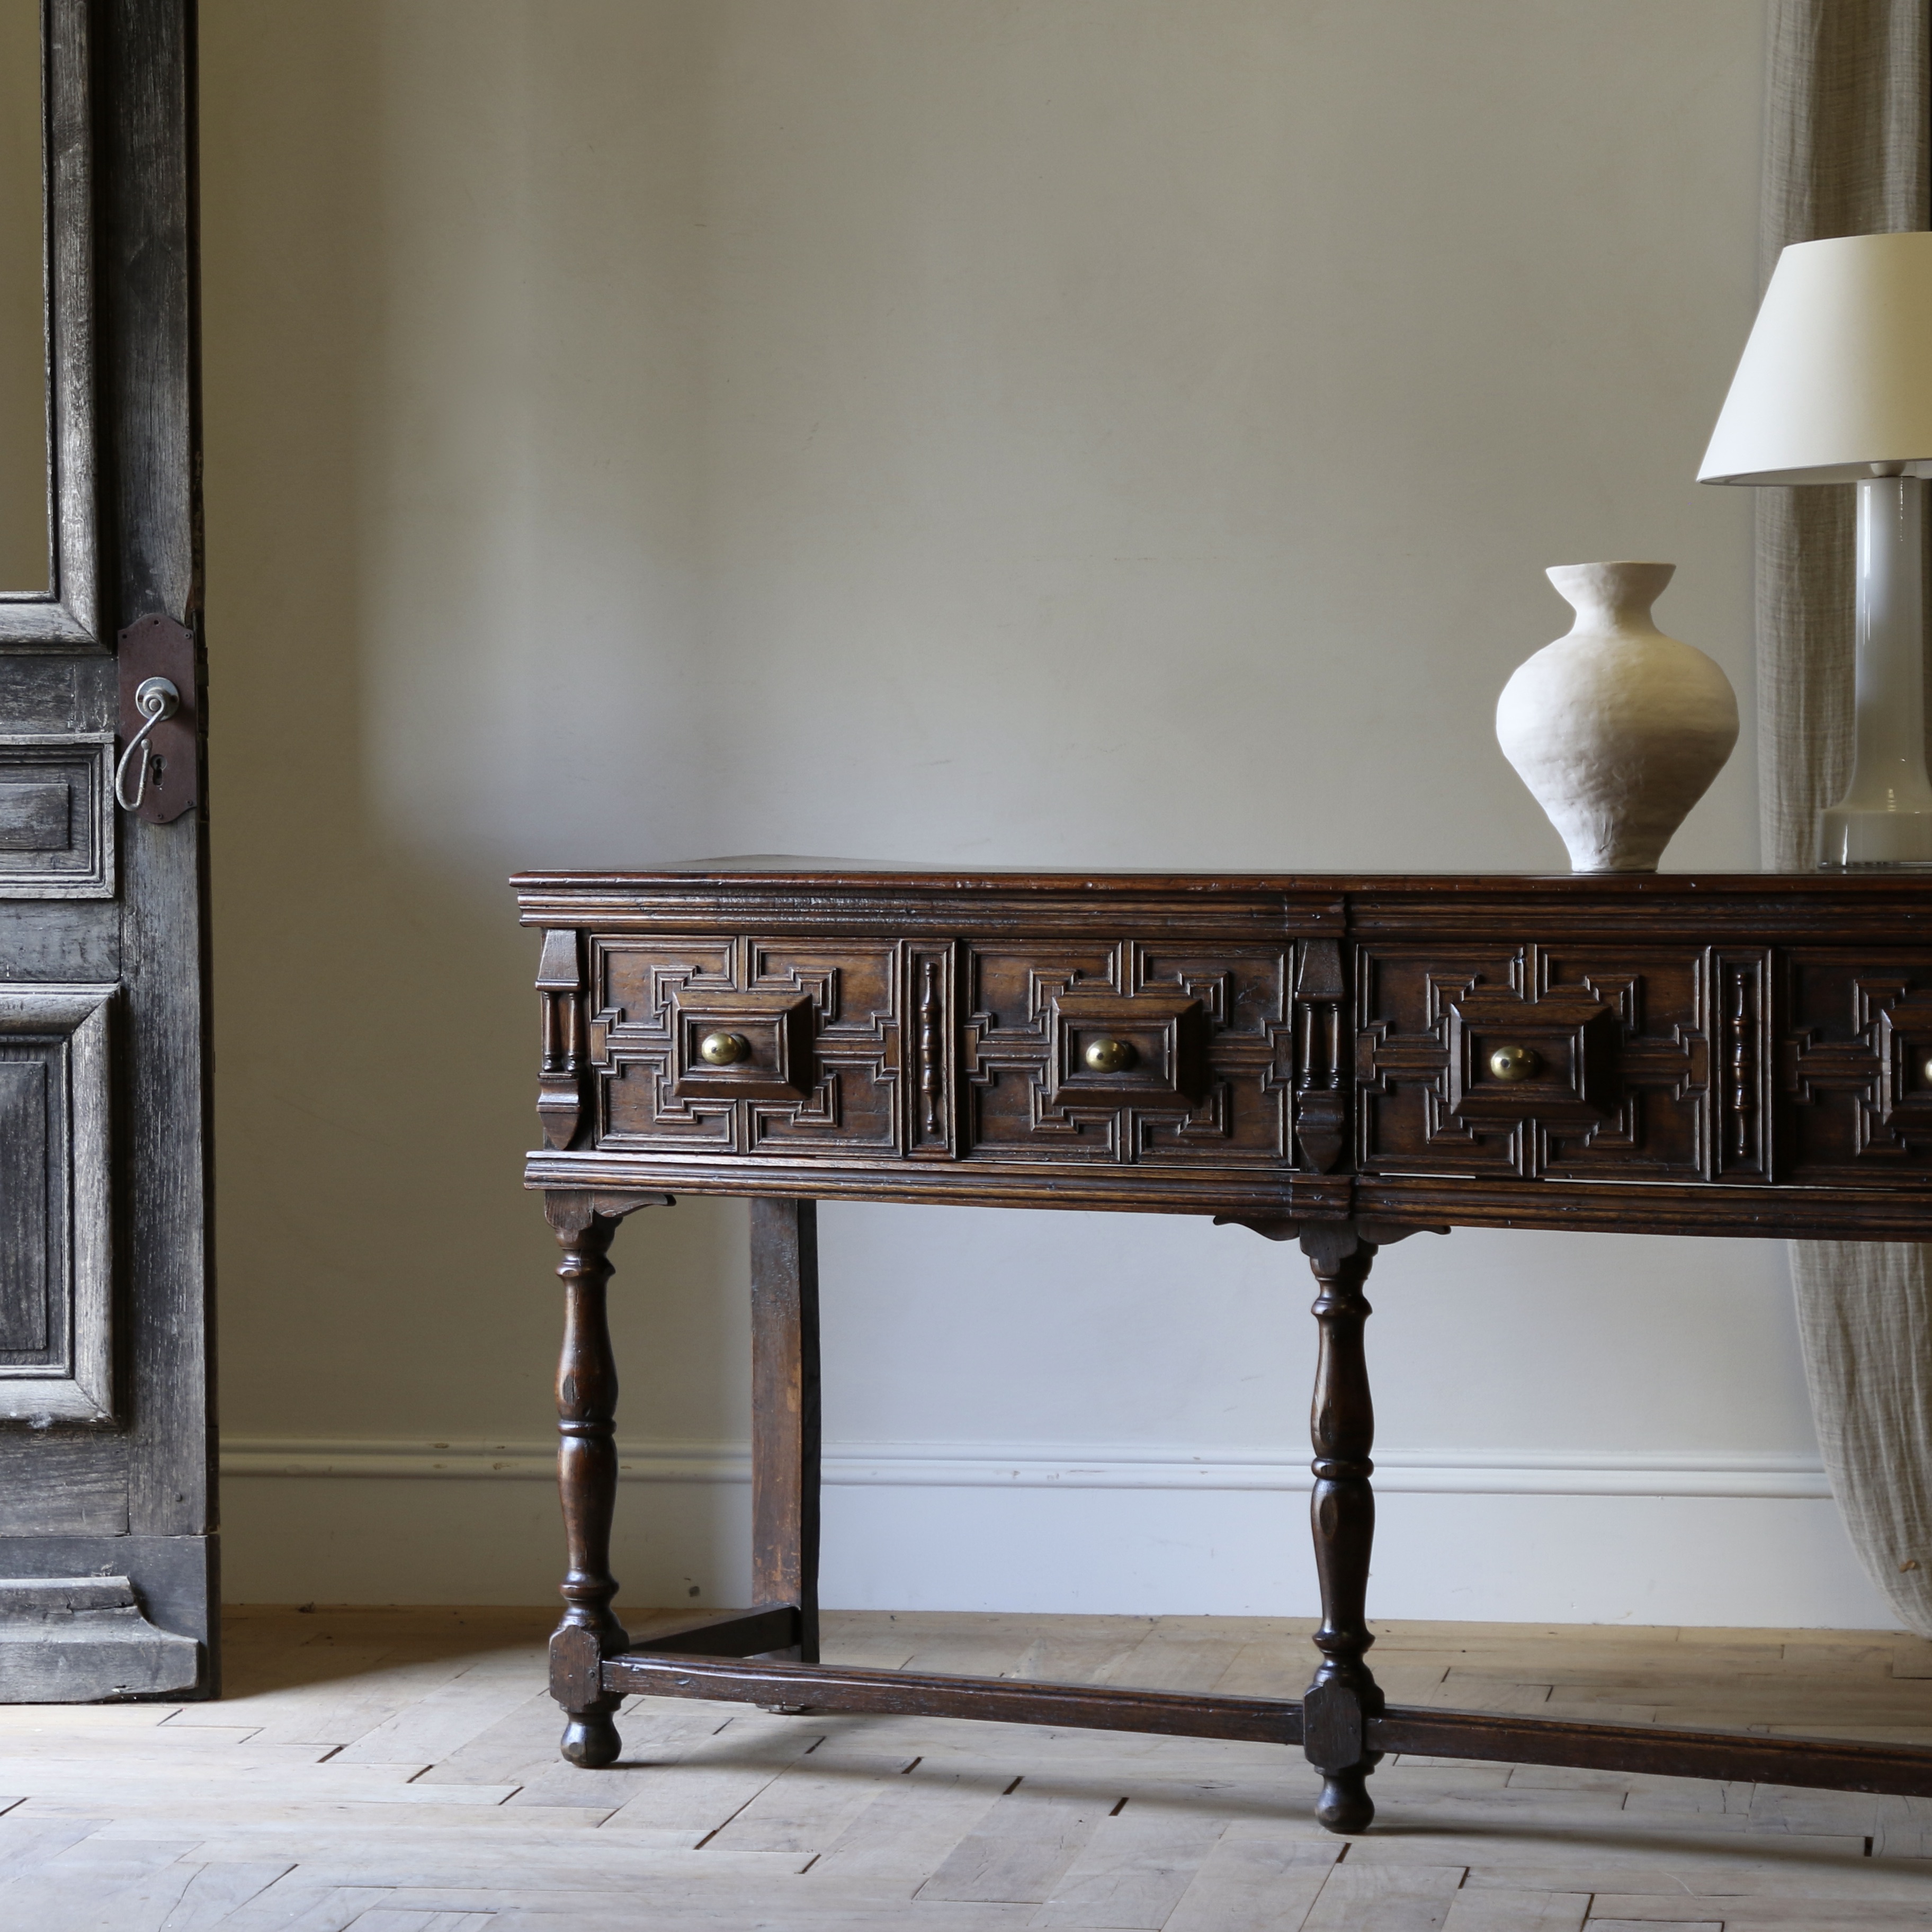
column 720, row 1046
column 1129, row 1052
column 1854, row 1066
column 1528, row 1060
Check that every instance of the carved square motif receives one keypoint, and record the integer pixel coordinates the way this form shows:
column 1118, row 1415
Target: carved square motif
column 775, row 1028
column 1853, row 1065
column 1904, row 1041
column 1167, row 1038
column 821, row 1027
column 1210, row 1074
column 1619, row 1084
column 1568, row 1041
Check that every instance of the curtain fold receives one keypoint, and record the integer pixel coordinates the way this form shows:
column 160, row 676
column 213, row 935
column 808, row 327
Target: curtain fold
column 1847, row 151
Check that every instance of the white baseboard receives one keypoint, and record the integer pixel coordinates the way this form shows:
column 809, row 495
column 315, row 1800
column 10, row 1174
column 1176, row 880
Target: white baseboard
column 1533, row 1472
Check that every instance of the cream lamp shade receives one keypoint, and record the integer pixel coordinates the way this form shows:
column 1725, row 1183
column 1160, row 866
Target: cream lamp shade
column 1835, row 386
column 1835, row 382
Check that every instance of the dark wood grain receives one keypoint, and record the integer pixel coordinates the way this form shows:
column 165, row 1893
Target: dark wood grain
column 36, row 808
column 931, row 1051
column 124, row 488
column 1343, row 1060
column 1823, row 1764
column 1321, row 1075
column 932, row 976
column 560, row 1083
column 64, row 1482
column 179, row 1586
column 150, row 429
column 65, row 615
column 1258, row 1188
column 1005, row 1699
column 33, row 1270
column 1836, row 1213
column 1343, row 1695
column 785, row 1412
column 57, row 838
column 64, row 940
column 1627, row 988
column 749, row 1634
column 1815, row 1763
column 586, row 1470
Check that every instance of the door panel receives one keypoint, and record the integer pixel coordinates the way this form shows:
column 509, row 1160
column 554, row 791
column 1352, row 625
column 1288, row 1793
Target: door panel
column 107, row 1543
column 57, row 816
column 56, row 1263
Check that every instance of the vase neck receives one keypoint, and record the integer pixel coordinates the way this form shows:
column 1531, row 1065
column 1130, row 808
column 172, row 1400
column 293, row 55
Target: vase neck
column 1612, row 596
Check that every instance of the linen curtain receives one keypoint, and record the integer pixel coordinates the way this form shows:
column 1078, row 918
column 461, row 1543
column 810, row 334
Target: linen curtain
column 1847, row 151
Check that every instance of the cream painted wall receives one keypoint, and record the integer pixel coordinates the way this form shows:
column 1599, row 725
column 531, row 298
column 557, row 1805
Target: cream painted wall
column 1078, row 431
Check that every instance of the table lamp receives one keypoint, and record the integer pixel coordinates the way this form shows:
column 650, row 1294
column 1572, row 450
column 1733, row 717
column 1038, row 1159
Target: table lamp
column 1835, row 386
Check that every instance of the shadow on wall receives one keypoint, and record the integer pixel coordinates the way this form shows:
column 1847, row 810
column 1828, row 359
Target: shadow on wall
column 637, row 427
column 393, row 559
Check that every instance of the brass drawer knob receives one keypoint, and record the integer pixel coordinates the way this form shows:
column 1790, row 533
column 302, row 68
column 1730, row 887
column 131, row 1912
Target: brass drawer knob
column 724, row 1049
column 1108, row 1055
column 1514, row 1063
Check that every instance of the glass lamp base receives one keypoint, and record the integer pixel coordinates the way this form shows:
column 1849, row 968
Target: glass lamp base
column 1848, row 837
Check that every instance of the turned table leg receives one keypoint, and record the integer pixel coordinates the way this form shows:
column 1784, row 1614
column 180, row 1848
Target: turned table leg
column 1344, row 1693
column 784, row 1412
column 587, row 1466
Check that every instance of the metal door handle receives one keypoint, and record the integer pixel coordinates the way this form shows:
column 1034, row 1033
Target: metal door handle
column 155, row 698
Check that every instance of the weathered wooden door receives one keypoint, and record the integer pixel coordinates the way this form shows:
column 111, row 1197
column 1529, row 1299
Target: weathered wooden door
column 107, row 1550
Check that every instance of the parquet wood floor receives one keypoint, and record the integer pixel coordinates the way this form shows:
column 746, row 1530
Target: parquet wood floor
column 395, row 1771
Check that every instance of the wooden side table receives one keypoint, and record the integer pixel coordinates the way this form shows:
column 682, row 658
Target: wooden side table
column 1339, row 1061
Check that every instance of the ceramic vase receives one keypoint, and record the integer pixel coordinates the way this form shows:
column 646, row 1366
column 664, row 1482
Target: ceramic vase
column 1617, row 729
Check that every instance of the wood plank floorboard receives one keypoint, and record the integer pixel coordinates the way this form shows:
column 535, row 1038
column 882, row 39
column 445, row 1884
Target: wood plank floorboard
column 395, row 1770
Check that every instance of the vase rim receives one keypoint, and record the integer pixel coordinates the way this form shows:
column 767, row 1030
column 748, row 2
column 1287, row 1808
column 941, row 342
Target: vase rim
column 1628, row 586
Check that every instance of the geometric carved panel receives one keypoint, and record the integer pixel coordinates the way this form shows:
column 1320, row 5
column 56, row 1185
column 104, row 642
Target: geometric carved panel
column 56, row 1256
column 1617, row 1049
column 1209, row 1069
column 1854, row 1066
column 56, row 818
column 820, row 1035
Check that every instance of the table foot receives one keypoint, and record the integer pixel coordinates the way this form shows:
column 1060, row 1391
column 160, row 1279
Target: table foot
column 590, row 1740
column 1344, row 1804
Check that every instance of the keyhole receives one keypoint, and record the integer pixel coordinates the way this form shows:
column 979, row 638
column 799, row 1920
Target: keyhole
column 158, row 769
